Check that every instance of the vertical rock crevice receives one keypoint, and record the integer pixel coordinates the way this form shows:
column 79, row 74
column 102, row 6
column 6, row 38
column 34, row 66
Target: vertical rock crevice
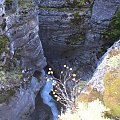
column 71, row 34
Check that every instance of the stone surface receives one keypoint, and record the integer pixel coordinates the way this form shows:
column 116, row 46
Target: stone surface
column 22, row 103
column 51, row 3
column 72, row 36
column 59, row 26
column 104, row 84
column 102, row 13
column 26, row 52
column 22, row 30
column 2, row 11
column 108, row 62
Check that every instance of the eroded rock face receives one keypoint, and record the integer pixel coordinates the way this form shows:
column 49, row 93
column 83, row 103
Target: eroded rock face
column 22, row 30
column 26, row 49
column 109, row 61
column 62, row 32
column 2, row 11
column 71, row 35
column 102, row 13
column 51, row 3
column 22, row 104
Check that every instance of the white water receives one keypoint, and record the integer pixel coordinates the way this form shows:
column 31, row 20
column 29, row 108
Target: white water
column 47, row 98
column 2, row 2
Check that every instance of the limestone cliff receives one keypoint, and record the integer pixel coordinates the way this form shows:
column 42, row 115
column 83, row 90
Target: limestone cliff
column 21, row 58
column 71, row 32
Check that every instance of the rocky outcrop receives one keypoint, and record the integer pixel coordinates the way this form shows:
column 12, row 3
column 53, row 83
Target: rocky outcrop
column 70, row 32
column 102, row 14
column 22, row 104
column 2, row 12
column 105, row 81
column 24, row 51
column 22, row 30
column 62, row 32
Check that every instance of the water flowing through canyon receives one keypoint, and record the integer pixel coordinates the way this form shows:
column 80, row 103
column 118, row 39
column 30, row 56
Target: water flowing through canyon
column 48, row 99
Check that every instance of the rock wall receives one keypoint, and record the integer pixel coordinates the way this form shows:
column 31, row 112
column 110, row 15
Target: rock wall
column 22, row 29
column 102, row 14
column 2, row 10
column 72, row 35
column 61, row 25
column 25, row 50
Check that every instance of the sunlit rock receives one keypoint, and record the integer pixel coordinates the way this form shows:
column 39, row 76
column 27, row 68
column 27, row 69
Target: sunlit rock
column 105, row 81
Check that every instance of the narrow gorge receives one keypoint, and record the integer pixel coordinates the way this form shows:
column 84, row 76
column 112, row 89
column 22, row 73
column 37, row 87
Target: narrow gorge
column 48, row 48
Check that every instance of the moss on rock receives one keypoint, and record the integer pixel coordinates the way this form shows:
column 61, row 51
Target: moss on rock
column 9, row 83
column 9, row 79
column 113, row 32
column 112, row 91
column 3, row 42
column 75, row 39
column 6, row 95
column 8, row 1
column 26, row 4
column 89, row 95
column 80, row 3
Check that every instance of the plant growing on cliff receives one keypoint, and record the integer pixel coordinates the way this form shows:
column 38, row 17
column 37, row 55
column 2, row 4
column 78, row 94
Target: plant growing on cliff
column 113, row 32
column 80, row 3
column 3, row 42
column 67, row 95
column 25, row 4
column 67, row 87
column 86, row 111
column 75, row 39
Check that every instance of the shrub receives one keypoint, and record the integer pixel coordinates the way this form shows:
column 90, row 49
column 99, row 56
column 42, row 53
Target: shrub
column 86, row 111
column 67, row 87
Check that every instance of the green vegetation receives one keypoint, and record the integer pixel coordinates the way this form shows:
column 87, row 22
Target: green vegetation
column 113, row 32
column 3, row 42
column 10, row 81
column 3, row 25
column 7, row 77
column 8, row 1
column 22, row 3
column 75, row 38
column 111, row 93
column 80, row 4
column 26, row 4
column 77, row 18
column 76, row 14
column 6, row 95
